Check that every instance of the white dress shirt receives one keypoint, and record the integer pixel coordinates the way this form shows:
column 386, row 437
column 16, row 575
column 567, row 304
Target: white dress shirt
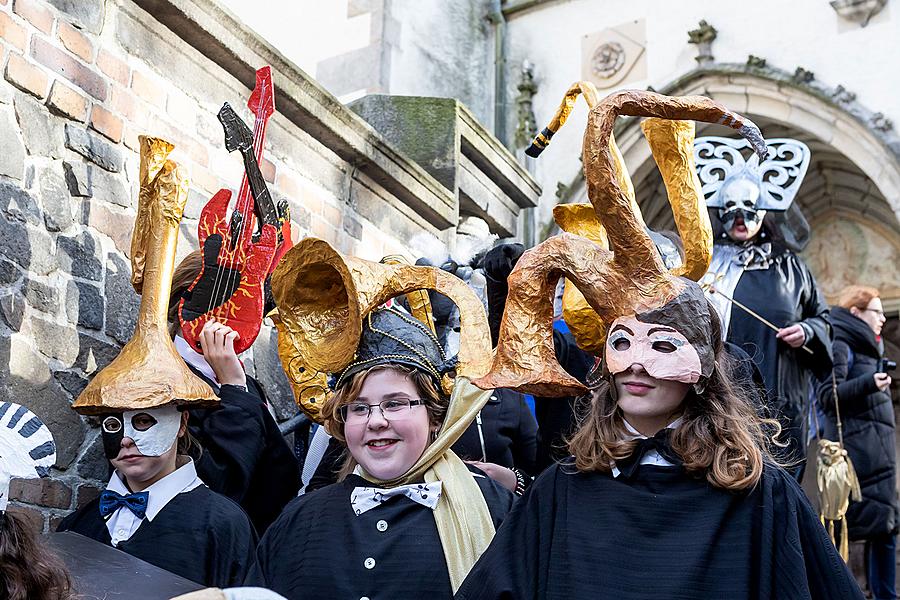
column 194, row 358
column 650, row 457
column 122, row 523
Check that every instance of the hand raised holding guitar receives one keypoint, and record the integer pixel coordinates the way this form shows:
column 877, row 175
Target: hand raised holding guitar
column 240, row 251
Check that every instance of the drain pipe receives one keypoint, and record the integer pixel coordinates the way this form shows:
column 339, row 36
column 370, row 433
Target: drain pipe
column 497, row 19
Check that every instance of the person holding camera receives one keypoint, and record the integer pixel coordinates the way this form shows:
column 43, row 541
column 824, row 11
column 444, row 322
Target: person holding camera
column 862, row 386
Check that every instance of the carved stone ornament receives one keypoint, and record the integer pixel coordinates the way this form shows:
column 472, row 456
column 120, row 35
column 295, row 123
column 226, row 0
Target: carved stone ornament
column 801, row 75
column 881, row 123
column 721, row 165
column 703, row 37
column 860, row 11
column 614, row 56
column 526, row 125
column 756, row 62
column 842, row 95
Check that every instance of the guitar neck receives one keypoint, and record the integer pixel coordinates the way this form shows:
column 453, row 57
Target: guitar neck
column 245, row 196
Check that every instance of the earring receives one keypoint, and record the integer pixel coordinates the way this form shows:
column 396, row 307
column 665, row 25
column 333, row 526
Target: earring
column 700, row 387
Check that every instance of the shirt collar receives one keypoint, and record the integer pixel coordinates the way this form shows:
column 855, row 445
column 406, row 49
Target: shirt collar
column 182, row 479
column 194, row 358
column 634, row 434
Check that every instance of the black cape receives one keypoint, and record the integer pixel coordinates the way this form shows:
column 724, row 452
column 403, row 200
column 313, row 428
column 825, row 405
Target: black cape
column 662, row 534
column 318, row 548
column 244, row 455
column 199, row 535
column 784, row 293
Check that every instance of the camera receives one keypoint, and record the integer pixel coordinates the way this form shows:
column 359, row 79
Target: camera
column 885, row 365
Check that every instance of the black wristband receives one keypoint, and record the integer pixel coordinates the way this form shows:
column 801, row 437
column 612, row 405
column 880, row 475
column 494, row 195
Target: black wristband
column 243, row 388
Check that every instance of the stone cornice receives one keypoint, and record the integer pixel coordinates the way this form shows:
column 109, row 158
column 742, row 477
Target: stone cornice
column 219, row 36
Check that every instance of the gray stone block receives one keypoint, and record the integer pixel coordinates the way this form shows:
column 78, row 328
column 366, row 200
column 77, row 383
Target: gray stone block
column 71, row 382
column 41, row 296
column 12, row 307
column 54, row 195
column 108, row 187
column 352, row 226
column 94, row 353
column 17, row 204
column 80, row 255
column 78, row 178
column 84, row 305
column 28, row 381
column 122, row 303
column 424, row 129
column 12, row 150
column 53, row 339
column 94, row 148
column 93, row 463
column 87, row 14
column 42, row 132
column 9, row 273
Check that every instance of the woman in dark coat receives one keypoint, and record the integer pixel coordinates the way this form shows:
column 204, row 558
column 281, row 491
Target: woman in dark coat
column 867, row 416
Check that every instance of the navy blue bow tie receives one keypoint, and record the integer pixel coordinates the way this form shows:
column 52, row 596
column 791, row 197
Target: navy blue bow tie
column 111, row 501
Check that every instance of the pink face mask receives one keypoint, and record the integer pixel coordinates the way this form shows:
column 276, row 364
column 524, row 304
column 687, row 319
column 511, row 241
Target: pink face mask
column 662, row 351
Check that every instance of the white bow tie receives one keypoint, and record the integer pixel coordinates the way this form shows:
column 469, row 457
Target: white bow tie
column 366, row 498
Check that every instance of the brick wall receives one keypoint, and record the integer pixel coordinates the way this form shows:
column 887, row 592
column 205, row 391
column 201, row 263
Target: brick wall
column 80, row 83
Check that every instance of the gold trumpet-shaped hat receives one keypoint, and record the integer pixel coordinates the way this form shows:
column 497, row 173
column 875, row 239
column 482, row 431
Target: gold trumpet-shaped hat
column 324, row 299
column 627, row 276
column 149, row 372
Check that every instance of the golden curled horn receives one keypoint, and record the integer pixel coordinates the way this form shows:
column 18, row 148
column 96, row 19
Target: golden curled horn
column 626, row 279
column 149, row 372
column 418, row 300
column 323, row 297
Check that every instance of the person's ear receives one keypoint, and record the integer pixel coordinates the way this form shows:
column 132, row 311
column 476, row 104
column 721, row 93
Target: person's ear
column 855, row 311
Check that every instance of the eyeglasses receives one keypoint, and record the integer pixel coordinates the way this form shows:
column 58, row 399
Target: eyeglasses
column 394, row 409
column 878, row 312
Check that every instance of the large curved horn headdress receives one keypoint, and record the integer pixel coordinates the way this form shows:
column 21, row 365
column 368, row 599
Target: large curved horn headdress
column 627, row 278
column 323, row 298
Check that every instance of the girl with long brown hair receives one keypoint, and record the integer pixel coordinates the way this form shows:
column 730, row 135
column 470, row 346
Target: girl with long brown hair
column 670, row 492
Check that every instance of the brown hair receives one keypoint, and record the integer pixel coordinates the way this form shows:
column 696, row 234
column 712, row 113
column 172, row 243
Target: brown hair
column 185, row 274
column 721, row 436
column 436, row 404
column 857, row 296
column 29, row 571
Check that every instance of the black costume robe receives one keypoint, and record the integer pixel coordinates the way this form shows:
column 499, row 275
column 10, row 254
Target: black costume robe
column 319, row 548
column 784, row 293
column 661, row 534
column 199, row 534
column 244, row 455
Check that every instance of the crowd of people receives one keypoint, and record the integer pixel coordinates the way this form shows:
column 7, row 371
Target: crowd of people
column 674, row 473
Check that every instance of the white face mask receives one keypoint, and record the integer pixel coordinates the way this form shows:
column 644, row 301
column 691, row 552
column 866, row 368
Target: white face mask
column 158, row 438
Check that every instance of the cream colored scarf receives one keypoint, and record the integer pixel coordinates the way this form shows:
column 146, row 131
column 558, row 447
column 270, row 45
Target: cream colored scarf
column 463, row 521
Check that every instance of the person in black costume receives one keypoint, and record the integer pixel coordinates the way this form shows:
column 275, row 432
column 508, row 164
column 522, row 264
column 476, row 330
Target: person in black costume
column 867, row 417
column 378, row 532
column 670, row 477
column 241, row 453
column 754, row 264
column 157, row 509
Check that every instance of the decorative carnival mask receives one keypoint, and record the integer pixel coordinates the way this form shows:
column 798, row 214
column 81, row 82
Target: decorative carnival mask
column 154, row 431
column 749, row 188
column 628, row 277
column 27, row 450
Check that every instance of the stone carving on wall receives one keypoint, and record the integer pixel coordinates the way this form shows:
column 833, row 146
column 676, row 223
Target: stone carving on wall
column 860, row 11
column 849, row 250
column 526, row 124
column 615, row 56
column 703, row 37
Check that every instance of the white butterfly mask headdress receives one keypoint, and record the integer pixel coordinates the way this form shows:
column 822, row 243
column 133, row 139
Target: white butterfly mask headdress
column 27, row 450
column 721, row 166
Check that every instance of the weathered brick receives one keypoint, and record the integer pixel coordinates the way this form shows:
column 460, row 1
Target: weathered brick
column 130, row 139
column 26, row 76
column 181, row 108
column 12, row 33
column 51, row 493
column 76, row 42
column 94, row 148
column 267, row 168
column 35, row 13
column 87, row 493
column 115, row 223
column 123, row 102
column 289, row 185
column 205, row 179
column 106, row 123
column 332, row 215
column 32, row 517
column 324, row 231
column 113, row 67
column 68, row 102
column 59, row 62
column 148, row 89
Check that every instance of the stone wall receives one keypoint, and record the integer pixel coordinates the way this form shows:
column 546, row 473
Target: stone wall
column 81, row 80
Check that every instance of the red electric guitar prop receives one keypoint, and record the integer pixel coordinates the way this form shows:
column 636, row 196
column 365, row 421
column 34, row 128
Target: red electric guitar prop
column 239, row 252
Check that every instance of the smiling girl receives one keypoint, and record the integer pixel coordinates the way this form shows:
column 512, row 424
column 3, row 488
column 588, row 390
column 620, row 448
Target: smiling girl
column 355, row 539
